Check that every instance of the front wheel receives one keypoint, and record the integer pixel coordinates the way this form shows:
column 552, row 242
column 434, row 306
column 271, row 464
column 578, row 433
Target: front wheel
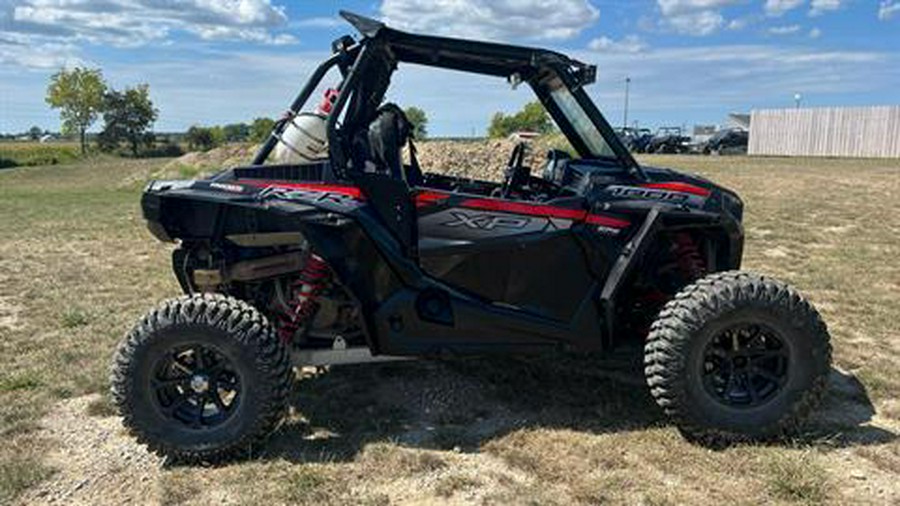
column 737, row 356
column 201, row 378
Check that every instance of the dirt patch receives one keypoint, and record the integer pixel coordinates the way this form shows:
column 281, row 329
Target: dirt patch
column 95, row 462
column 200, row 164
column 9, row 313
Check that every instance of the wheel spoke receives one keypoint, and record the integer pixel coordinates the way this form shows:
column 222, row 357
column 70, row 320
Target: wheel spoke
column 748, row 384
column 768, row 376
column 199, row 358
column 196, row 417
column 756, row 356
column 176, row 404
column 176, row 363
column 158, row 384
column 217, row 400
column 729, row 385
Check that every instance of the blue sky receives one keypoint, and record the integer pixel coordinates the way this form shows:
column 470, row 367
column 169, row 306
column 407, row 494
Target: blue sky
column 690, row 61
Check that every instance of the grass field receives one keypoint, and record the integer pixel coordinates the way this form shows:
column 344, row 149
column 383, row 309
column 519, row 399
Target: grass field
column 28, row 153
column 77, row 268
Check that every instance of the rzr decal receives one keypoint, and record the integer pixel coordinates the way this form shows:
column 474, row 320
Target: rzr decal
column 346, row 190
column 309, row 196
column 486, row 221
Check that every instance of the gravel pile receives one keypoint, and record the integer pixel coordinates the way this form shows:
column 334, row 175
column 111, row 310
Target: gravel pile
column 477, row 159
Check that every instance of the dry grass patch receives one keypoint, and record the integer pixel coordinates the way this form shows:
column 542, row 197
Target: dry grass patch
column 796, row 477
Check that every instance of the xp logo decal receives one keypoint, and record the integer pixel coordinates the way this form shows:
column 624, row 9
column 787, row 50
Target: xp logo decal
column 486, row 221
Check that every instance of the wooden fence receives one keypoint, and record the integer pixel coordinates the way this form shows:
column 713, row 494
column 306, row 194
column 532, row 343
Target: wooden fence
column 864, row 132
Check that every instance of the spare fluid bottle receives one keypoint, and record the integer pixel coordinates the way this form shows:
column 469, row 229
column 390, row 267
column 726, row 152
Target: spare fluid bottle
column 304, row 138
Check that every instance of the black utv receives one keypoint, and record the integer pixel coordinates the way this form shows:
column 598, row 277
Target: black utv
column 732, row 141
column 352, row 252
column 668, row 140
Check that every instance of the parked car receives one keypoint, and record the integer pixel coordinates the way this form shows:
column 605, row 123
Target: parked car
column 669, row 140
column 731, row 141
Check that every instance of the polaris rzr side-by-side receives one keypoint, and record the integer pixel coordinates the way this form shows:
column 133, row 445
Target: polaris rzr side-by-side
column 335, row 247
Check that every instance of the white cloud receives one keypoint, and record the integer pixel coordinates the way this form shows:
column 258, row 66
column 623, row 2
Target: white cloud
column 739, row 23
column 697, row 23
column 22, row 52
column 694, row 17
column 676, row 7
column 319, row 22
column 57, row 25
column 784, row 30
column 815, row 33
column 628, row 44
column 779, row 7
column 818, row 7
column 497, row 20
column 888, row 9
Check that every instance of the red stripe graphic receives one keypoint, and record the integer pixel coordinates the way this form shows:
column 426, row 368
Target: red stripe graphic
column 678, row 187
column 545, row 211
column 427, row 198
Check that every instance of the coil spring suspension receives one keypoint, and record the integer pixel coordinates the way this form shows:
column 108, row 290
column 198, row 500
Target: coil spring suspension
column 690, row 260
column 304, row 294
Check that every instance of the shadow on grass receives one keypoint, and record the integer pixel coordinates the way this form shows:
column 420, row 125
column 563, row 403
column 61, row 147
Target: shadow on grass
column 464, row 403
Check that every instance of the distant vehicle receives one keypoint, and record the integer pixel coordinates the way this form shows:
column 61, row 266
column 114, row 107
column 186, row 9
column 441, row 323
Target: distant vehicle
column 731, row 141
column 669, row 140
column 635, row 139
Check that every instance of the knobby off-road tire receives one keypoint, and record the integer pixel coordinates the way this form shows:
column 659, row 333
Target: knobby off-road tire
column 731, row 330
column 181, row 354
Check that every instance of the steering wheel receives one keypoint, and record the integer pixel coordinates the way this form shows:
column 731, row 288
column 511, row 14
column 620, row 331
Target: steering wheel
column 516, row 173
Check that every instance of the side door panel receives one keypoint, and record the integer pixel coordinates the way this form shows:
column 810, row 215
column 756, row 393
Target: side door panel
column 506, row 252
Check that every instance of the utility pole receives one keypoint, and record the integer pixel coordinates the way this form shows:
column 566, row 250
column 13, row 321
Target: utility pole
column 627, row 86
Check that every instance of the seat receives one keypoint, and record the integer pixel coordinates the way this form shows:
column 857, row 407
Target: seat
column 386, row 136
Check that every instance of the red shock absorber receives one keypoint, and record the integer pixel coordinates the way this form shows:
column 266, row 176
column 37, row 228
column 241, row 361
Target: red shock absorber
column 304, row 296
column 690, row 260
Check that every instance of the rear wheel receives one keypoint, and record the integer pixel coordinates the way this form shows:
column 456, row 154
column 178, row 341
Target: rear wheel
column 201, row 378
column 737, row 356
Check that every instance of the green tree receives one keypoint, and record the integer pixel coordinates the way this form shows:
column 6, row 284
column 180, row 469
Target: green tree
column 35, row 133
column 127, row 116
column 533, row 118
column 419, row 121
column 218, row 135
column 201, row 138
column 236, row 132
column 78, row 94
column 260, row 129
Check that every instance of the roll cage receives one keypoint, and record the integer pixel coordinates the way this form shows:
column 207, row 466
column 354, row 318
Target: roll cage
column 367, row 65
